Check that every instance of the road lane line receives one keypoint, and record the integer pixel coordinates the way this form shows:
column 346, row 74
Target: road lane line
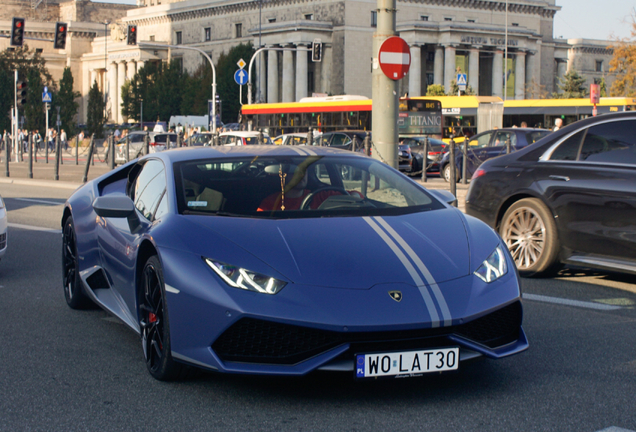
column 34, row 228
column 569, row 302
column 38, row 201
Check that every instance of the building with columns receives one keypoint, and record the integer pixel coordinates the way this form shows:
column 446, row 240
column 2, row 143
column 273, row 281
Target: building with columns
column 511, row 55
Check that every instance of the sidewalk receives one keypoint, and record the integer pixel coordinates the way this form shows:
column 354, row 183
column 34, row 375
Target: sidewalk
column 70, row 174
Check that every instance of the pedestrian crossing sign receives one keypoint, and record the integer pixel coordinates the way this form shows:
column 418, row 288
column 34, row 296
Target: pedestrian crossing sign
column 461, row 81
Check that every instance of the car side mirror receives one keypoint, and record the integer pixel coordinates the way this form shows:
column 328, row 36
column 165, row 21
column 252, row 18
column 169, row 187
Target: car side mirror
column 118, row 206
column 444, row 196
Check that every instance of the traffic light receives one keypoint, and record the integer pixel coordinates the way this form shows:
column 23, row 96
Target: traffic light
column 316, row 51
column 17, row 32
column 60, row 36
column 132, row 35
column 21, row 91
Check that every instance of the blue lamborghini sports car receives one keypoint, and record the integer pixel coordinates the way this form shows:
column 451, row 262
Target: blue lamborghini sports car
column 285, row 260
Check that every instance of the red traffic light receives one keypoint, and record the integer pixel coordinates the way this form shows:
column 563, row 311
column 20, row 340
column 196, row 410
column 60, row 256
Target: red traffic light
column 17, row 32
column 18, row 24
column 60, row 36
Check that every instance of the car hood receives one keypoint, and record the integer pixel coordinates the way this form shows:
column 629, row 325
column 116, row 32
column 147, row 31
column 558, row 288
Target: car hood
column 349, row 252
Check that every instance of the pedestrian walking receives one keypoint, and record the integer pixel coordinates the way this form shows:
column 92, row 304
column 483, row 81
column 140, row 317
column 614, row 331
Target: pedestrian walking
column 63, row 139
column 38, row 139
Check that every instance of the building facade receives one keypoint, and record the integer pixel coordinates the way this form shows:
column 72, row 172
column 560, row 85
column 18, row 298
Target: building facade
column 511, row 55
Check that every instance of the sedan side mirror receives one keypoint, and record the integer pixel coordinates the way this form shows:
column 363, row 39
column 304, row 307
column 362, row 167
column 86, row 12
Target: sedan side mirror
column 444, row 196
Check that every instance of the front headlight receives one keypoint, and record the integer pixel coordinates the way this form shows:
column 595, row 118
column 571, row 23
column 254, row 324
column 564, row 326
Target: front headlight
column 237, row 277
column 1, row 203
column 494, row 267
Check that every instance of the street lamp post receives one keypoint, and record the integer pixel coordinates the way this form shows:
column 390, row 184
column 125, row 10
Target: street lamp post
column 506, row 56
column 105, row 64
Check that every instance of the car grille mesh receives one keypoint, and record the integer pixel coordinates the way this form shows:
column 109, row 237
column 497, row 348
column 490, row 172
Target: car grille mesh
column 3, row 240
column 253, row 340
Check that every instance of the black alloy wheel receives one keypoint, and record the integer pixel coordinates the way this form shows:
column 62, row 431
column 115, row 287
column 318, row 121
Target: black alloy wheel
column 75, row 296
column 153, row 321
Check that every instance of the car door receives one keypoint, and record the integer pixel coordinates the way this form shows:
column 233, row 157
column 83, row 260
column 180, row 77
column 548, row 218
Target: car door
column 340, row 141
column 498, row 145
column 476, row 152
column 589, row 182
column 118, row 242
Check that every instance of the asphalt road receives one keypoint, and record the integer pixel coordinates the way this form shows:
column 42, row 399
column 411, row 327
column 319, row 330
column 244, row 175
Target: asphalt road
column 67, row 370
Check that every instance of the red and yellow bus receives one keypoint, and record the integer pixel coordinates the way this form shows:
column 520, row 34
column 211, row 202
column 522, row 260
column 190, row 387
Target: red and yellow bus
column 417, row 116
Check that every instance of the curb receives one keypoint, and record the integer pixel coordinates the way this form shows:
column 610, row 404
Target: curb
column 53, row 184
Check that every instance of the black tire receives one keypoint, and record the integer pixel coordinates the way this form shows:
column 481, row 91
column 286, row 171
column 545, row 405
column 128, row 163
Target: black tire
column 529, row 231
column 446, row 173
column 74, row 293
column 154, row 324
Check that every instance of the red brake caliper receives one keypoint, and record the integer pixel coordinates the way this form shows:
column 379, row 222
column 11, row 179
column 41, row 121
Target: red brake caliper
column 152, row 317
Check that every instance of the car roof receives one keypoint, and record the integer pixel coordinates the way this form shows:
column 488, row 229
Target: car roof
column 243, row 134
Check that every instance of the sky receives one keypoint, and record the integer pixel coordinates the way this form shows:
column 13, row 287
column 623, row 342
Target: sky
column 578, row 19
column 593, row 19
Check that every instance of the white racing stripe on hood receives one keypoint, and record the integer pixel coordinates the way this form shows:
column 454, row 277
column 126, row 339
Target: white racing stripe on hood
column 441, row 301
column 311, row 152
column 299, row 151
column 432, row 310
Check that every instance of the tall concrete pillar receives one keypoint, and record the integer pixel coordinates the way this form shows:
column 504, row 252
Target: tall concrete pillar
column 497, row 74
column 288, row 76
column 301, row 72
column 562, row 69
column 121, row 79
column 415, row 73
column 92, row 77
column 449, row 67
column 112, row 91
column 140, row 64
column 520, row 76
column 532, row 76
column 131, row 69
column 325, row 69
column 439, row 65
column 261, row 73
column 473, row 69
column 272, row 76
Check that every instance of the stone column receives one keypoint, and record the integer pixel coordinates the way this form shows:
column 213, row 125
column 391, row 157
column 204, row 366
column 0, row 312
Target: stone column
column 497, row 73
column 288, row 76
column 121, row 78
column 92, row 78
column 562, row 69
column 520, row 76
column 301, row 72
column 532, row 78
column 439, row 65
column 325, row 69
column 449, row 67
column 272, row 76
column 261, row 72
column 131, row 70
column 112, row 90
column 473, row 69
column 415, row 74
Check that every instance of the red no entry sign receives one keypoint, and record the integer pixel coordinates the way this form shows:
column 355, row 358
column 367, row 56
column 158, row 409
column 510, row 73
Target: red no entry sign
column 395, row 58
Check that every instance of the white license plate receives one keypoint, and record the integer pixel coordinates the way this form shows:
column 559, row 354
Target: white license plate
column 408, row 363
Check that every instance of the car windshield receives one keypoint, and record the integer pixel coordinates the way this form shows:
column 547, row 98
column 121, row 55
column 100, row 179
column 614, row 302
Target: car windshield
column 202, row 139
column 296, row 187
column 164, row 138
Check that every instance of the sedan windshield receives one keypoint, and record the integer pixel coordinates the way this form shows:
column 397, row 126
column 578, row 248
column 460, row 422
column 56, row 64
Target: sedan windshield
column 296, row 187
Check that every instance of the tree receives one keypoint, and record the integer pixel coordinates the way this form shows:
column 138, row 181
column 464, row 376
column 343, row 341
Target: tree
column 572, row 85
column 623, row 64
column 34, row 110
column 95, row 118
column 435, row 90
column 66, row 100
column 227, row 88
column 455, row 89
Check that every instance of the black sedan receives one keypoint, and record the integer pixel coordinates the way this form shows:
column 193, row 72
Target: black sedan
column 354, row 140
column 569, row 198
column 436, row 150
column 488, row 145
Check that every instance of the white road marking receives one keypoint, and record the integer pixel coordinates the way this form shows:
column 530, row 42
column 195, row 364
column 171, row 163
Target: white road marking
column 569, row 302
column 35, row 228
column 38, row 201
column 615, row 429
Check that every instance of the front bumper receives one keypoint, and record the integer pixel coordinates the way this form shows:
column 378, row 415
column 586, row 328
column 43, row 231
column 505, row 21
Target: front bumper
column 306, row 328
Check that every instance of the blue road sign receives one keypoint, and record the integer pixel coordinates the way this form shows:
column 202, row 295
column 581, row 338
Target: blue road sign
column 240, row 76
column 46, row 97
column 461, row 81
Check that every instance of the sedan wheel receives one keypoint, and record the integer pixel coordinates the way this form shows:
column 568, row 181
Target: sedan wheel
column 529, row 231
column 155, row 334
column 447, row 173
column 73, row 292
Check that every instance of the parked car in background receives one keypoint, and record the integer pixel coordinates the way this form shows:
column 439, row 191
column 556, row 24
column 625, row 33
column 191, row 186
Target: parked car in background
column 200, row 139
column 243, row 138
column 292, row 139
column 488, row 145
column 436, row 150
column 3, row 228
column 157, row 141
column 569, row 198
column 353, row 140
